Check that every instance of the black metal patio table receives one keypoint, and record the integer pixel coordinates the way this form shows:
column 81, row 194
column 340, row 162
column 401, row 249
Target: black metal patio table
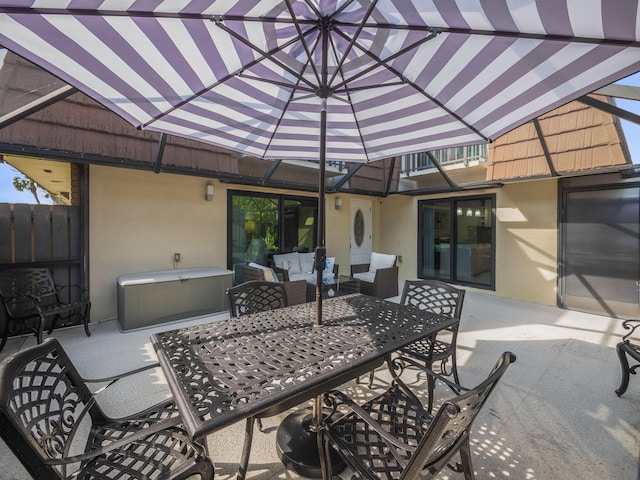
column 230, row 370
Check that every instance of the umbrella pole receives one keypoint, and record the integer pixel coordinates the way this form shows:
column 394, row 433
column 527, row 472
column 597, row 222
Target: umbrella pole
column 321, row 251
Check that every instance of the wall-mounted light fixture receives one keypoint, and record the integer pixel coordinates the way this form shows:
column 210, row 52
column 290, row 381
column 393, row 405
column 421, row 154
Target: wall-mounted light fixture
column 338, row 203
column 208, row 192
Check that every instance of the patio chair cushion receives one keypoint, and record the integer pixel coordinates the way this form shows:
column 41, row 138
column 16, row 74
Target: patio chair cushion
column 365, row 276
column 381, row 260
column 306, row 262
column 269, row 273
column 288, row 261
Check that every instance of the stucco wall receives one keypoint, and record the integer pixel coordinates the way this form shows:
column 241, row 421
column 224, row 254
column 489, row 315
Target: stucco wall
column 527, row 241
column 526, row 238
column 138, row 220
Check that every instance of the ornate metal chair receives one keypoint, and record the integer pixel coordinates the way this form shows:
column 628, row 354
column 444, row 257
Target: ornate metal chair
column 394, row 436
column 256, row 296
column 52, row 422
column 31, row 299
column 628, row 348
column 442, row 299
column 252, row 297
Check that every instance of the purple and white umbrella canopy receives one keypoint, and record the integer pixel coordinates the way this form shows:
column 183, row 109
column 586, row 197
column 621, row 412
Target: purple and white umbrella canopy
column 341, row 80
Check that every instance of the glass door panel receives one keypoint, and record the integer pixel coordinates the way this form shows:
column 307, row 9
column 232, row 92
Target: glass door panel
column 254, row 231
column 474, row 257
column 436, row 240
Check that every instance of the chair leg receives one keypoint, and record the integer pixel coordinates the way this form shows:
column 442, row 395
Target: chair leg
column 465, row 457
column 246, row 449
column 40, row 328
column 3, row 342
column 431, row 386
column 624, row 364
column 371, row 374
column 85, row 320
column 454, row 368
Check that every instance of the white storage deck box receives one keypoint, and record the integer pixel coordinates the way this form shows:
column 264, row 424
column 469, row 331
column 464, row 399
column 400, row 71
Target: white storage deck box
column 151, row 298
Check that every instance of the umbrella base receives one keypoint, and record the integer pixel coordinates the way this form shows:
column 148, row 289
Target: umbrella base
column 297, row 447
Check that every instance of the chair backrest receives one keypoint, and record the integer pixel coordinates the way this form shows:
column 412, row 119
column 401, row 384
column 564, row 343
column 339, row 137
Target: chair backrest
column 451, row 425
column 433, row 295
column 256, row 296
column 18, row 285
column 43, row 401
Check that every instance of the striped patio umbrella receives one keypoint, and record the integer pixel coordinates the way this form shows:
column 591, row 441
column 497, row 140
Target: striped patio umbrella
column 343, row 80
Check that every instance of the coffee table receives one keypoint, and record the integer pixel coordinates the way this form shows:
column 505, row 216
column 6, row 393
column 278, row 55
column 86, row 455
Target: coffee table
column 344, row 286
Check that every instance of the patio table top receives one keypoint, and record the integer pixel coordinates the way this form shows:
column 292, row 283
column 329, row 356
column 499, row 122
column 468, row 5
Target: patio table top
column 226, row 371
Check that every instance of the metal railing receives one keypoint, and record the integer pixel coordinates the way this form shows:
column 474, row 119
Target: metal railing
column 463, row 156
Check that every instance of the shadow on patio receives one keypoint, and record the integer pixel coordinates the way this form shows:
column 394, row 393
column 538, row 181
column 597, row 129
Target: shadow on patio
column 554, row 415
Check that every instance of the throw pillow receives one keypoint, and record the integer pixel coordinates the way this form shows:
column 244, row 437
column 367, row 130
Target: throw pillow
column 306, row 262
column 328, row 265
column 292, row 262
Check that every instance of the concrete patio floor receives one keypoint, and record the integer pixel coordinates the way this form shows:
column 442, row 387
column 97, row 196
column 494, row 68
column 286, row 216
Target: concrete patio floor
column 554, row 415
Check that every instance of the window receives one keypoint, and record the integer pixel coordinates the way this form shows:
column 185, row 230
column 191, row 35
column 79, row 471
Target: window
column 456, row 239
column 263, row 224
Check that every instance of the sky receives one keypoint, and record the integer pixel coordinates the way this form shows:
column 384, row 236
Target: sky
column 632, row 133
column 9, row 194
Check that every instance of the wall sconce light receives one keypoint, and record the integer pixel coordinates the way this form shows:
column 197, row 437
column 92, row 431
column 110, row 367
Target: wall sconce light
column 338, row 203
column 208, row 193
column 459, row 211
column 469, row 212
column 478, row 212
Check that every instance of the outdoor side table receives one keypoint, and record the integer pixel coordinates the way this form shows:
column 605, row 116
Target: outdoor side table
column 226, row 371
column 343, row 285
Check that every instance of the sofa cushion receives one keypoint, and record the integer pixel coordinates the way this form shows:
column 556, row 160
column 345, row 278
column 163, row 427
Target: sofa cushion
column 326, row 278
column 269, row 273
column 306, row 262
column 381, row 260
column 288, row 261
column 368, row 277
column 309, row 277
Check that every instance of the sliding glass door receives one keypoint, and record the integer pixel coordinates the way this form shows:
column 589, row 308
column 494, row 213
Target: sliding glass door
column 456, row 239
column 260, row 225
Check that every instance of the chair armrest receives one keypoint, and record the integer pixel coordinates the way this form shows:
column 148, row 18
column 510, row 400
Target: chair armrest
column 296, row 291
column 335, row 398
column 84, row 291
column 386, row 282
column 404, row 361
column 630, row 325
column 360, row 268
column 386, row 274
column 126, row 440
column 282, row 273
column 114, row 378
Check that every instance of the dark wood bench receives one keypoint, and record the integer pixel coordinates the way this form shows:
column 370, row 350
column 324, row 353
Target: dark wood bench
column 33, row 302
column 628, row 348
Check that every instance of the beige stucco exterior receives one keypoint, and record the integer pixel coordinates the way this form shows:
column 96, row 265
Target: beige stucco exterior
column 526, row 238
column 138, row 220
